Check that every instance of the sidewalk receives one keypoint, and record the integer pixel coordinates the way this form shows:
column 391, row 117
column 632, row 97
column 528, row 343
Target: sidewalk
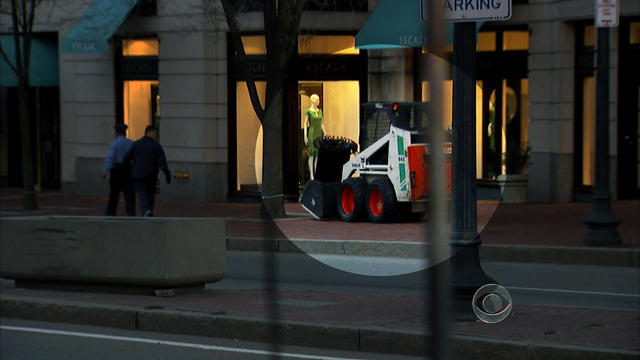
column 372, row 322
column 531, row 232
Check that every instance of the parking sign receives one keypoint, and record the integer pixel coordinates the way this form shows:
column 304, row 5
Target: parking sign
column 607, row 13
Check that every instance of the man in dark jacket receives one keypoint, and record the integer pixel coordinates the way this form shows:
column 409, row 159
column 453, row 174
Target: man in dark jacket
column 146, row 157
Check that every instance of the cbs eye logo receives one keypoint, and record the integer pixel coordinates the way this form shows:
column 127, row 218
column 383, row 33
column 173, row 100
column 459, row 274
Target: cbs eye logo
column 492, row 303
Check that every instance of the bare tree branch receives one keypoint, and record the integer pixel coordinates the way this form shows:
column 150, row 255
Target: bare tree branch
column 236, row 39
column 5, row 57
column 16, row 40
column 28, row 33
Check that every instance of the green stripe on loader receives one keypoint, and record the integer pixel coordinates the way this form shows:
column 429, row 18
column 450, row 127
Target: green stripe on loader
column 401, row 166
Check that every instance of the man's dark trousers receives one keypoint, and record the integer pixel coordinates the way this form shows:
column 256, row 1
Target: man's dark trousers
column 146, row 190
column 120, row 181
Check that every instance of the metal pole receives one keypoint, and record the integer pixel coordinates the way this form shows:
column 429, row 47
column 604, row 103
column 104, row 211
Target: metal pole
column 466, row 273
column 602, row 224
column 439, row 289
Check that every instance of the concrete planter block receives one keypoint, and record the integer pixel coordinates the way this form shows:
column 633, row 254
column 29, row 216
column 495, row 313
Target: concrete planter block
column 158, row 253
column 513, row 188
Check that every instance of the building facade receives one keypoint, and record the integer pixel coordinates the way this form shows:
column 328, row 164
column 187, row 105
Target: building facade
column 170, row 63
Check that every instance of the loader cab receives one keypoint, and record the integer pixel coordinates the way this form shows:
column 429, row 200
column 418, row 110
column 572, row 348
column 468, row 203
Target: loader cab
column 412, row 116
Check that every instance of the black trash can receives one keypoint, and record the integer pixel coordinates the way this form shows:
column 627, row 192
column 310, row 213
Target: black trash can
column 333, row 153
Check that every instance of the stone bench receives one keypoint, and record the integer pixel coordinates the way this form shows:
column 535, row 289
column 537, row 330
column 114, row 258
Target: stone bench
column 147, row 253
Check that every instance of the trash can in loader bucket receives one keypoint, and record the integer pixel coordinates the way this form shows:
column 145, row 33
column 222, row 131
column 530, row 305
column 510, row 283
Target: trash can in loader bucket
column 319, row 197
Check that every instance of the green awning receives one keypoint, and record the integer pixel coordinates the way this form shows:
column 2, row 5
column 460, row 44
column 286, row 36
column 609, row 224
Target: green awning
column 100, row 21
column 43, row 67
column 395, row 24
column 398, row 24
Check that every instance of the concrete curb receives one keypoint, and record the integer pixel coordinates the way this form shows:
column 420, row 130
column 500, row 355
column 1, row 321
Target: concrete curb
column 626, row 257
column 289, row 332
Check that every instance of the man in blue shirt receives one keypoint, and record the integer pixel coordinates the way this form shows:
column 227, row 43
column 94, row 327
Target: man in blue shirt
column 119, row 173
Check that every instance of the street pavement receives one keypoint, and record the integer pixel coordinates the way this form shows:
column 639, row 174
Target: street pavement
column 378, row 321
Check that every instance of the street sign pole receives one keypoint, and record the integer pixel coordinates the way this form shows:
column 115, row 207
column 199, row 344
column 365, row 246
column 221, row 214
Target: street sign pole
column 602, row 224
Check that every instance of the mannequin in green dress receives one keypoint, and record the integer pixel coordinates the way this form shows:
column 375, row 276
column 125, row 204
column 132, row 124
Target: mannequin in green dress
column 313, row 129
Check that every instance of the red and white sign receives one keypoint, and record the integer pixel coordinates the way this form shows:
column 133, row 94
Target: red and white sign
column 607, row 13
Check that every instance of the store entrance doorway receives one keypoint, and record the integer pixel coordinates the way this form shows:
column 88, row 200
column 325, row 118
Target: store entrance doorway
column 141, row 106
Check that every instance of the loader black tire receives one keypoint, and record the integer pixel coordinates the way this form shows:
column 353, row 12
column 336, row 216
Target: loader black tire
column 352, row 200
column 382, row 204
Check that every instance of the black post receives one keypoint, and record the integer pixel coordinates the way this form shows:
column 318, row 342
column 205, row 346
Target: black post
column 602, row 224
column 466, row 273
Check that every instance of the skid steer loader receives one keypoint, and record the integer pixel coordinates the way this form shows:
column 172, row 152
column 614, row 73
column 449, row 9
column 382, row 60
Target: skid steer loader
column 388, row 178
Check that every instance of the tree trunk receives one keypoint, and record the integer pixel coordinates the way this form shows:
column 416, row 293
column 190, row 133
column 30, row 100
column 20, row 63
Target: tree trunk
column 272, row 180
column 28, row 193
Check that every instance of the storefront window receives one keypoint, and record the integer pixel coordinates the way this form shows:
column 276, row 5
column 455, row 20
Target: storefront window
column 634, row 32
column 140, row 47
column 589, row 36
column 340, row 105
column 515, row 40
column 588, row 130
column 248, row 138
column 327, row 44
column 447, row 111
column 486, row 41
column 254, row 45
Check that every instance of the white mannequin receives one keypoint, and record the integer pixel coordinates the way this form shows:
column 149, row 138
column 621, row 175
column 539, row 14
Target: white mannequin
column 313, row 158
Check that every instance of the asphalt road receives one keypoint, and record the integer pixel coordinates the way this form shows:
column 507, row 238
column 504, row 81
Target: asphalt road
column 607, row 287
column 33, row 340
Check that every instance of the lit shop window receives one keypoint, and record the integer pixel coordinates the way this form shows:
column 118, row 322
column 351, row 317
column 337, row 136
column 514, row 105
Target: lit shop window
column 589, row 35
column 248, row 138
column 634, row 32
column 486, row 41
column 515, row 40
column 307, row 44
column 327, row 44
column 140, row 47
column 254, row 45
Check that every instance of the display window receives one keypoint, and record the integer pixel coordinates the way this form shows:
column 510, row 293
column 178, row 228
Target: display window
column 325, row 64
column 502, row 98
column 336, row 114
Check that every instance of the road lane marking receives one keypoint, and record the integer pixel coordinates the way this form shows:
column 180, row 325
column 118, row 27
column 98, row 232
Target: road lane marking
column 574, row 292
column 168, row 343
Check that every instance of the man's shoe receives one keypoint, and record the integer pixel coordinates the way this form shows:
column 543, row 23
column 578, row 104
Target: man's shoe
column 148, row 214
